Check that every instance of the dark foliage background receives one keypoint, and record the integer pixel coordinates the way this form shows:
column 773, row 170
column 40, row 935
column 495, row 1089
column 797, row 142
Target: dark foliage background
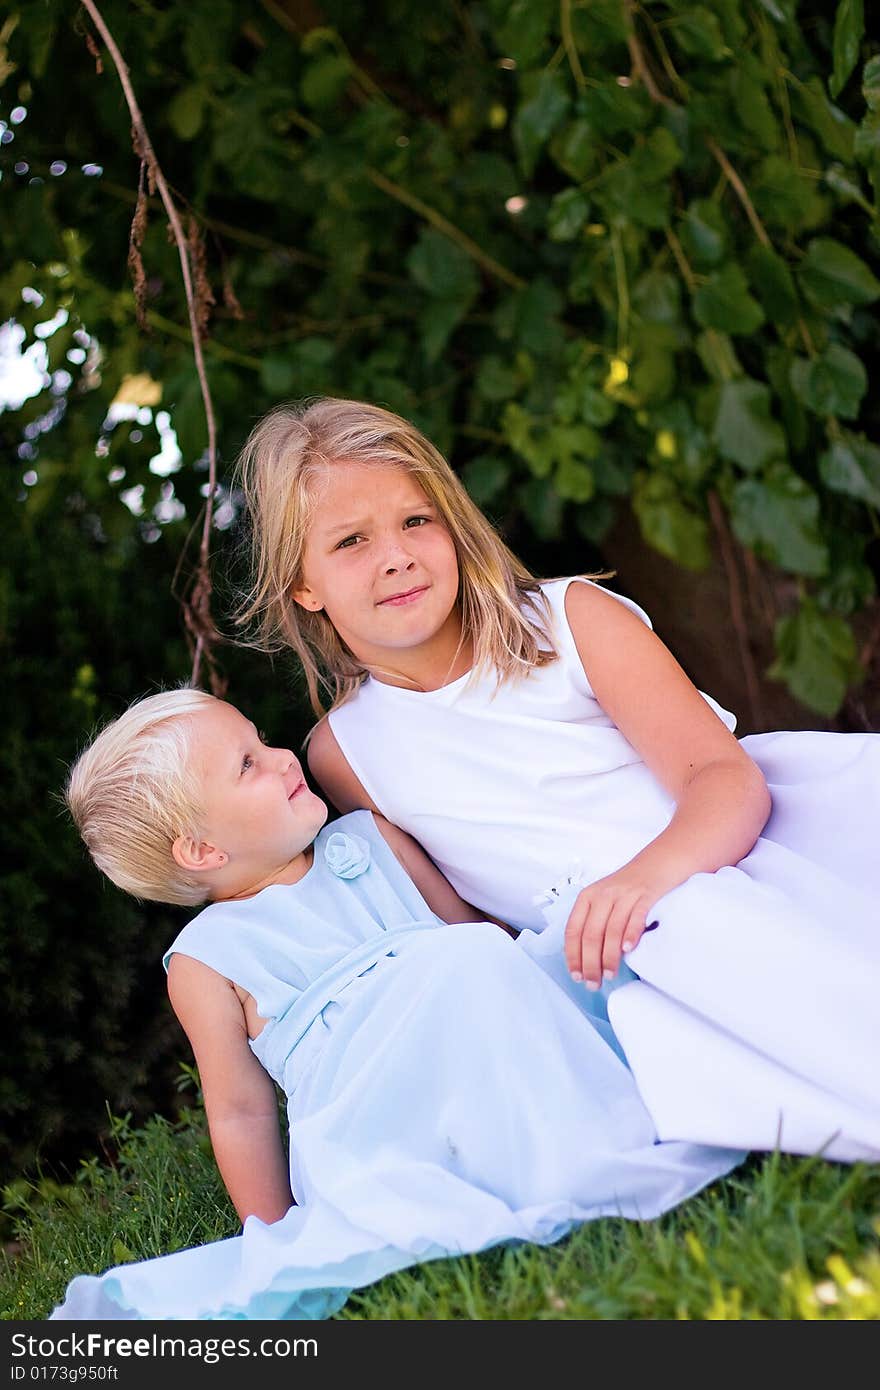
column 619, row 260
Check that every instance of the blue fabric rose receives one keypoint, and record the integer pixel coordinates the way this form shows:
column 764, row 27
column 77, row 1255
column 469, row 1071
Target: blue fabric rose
column 346, row 855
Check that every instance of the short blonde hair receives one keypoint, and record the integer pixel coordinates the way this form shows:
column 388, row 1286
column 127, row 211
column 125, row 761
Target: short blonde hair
column 133, row 790
column 286, row 451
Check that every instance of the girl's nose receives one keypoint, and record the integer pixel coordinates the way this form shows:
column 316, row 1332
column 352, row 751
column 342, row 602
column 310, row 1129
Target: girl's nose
column 398, row 558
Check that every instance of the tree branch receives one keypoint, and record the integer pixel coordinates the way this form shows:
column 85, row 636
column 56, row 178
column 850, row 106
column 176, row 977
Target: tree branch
column 739, row 189
column 197, row 610
column 574, row 61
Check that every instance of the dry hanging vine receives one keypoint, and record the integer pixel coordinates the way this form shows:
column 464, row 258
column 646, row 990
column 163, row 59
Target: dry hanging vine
column 201, row 630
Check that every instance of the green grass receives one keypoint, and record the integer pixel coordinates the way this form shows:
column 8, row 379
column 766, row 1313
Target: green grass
column 780, row 1238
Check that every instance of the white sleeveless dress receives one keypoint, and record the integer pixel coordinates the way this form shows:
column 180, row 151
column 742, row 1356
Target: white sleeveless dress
column 755, row 1020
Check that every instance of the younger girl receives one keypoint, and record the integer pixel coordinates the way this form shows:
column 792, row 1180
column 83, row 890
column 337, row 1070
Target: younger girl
column 557, row 765
column 443, row 1094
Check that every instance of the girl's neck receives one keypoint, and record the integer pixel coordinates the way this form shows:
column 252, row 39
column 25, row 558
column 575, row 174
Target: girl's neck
column 444, row 659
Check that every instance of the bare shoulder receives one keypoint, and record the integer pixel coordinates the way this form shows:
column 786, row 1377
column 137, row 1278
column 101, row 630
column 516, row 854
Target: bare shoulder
column 200, row 996
column 591, row 603
column 332, row 771
column 642, row 687
column 609, row 636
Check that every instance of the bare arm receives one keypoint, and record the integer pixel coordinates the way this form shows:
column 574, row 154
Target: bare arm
column 240, row 1098
column 722, row 801
column 437, row 891
column 330, row 769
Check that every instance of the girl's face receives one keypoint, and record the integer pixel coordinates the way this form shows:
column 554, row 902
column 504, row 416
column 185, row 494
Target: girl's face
column 381, row 564
column 257, row 809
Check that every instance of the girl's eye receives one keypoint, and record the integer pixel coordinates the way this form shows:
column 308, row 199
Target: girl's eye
column 347, row 543
column 261, row 735
column 246, row 762
column 416, row 520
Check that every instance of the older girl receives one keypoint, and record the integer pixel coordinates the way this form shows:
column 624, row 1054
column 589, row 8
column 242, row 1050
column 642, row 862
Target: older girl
column 556, row 763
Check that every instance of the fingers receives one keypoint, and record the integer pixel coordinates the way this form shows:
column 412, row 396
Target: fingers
column 600, row 929
column 585, row 937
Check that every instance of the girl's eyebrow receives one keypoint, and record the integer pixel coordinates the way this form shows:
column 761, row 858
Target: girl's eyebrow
column 343, row 528
column 347, row 527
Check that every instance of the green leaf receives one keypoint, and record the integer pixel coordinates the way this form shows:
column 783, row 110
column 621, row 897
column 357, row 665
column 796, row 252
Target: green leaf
column 698, row 32
column 852, row 465
column 833, row 127
column 574, row 481
column 680, row 442
column 437, row 321
column 850, row 583
column 543, row 110
column 658, row 157
column 832, row 383
column 185, row 112
column 542, row 507
column 816, row 657
column 324, row 81
column 656, row 297
column 575, row 149
column 613, row 471
column 613, row 110
column 668, row 523
column 595, row 519
column 871, row 83
column 751, row 104
column 653, row 375
column 595, row 407
column 524, row 29
column 718, row 355
column 867, row 141
column 849, row 29
column 448, row 276
column 744, row 429
column 625, row 196
column 530, row 318
column 844, row 184
column 568, row 213
column 441, row 268
column 784, row 197
column 832, row 275
column 777, row 516
column 704, row 233
column 485, row 477
column 724, row 302
column 528, row 437
column 496, row 380
column 637, row 189
column 774, row 284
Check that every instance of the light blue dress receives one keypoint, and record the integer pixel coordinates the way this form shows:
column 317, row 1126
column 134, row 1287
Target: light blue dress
column 444, row 1095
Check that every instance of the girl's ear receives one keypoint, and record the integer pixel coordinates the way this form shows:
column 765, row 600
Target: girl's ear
column 197, row 856
column 307, row 598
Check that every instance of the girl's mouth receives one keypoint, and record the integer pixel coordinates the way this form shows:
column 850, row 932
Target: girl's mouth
column 300, row 787
column 397, row 600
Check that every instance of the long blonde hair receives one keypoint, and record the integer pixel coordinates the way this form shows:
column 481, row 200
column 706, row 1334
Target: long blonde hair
column 286, row 451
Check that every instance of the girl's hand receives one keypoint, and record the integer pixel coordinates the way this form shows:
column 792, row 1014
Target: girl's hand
column 608, row 918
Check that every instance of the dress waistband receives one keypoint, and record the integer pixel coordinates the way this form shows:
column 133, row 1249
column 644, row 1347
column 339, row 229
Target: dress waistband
column 289, row 1028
